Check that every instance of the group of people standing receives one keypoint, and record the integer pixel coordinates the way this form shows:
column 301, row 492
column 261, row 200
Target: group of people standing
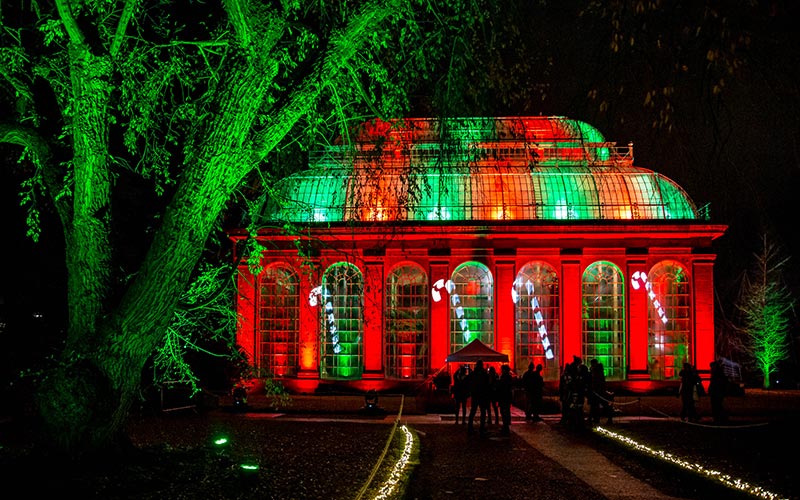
column 481, row 389
column 486, row 391
column 580, row 384
column 691, row 390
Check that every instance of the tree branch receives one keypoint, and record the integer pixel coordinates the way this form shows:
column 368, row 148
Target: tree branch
column 238, row 14
column 73, row 31
column 41, row 156
column 122, row 26
column 343, row 47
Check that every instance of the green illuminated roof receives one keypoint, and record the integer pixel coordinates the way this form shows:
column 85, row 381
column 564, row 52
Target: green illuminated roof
column 477, row 169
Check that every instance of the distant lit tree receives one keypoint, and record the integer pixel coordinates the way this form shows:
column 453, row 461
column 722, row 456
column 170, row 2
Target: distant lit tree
column 766, row 305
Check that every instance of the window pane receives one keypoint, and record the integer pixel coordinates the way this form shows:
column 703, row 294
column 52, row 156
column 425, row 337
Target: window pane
column 407, row 323
column 278, row 322
column 669, row 322
column 471, row 309
column 537, row 326
column 342, row 328
column 603, row 331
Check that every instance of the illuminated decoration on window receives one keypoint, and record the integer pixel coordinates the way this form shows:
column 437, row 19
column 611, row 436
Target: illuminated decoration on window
column 278, row 322
column 342, row 325
column 321, row 295
column 471, row 306
column 472, row 169
column 406, row 323
column 441, row 284
column 603, row 326
column 668, row 342
column 535, row 294
column 455, row 301
column 639, row 280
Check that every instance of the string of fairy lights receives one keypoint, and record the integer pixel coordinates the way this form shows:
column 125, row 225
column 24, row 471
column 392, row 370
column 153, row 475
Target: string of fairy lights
column 695, row 467
column 398, row 470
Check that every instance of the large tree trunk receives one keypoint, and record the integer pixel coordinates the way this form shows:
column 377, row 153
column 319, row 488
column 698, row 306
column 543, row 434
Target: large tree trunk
column 84, row 401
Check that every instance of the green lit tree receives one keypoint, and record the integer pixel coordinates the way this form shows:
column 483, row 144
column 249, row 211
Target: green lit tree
column 190, row 100
column 766, row 305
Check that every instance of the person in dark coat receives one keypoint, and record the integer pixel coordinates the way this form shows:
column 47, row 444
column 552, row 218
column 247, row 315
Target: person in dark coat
column 578, row 389
column 716, row 392
column 479, row 391
column 688, row 392
column 564, row 382
column 461, row 392
column 504, row 391
column 494, row 404
column 599, row 403
column 533, row 384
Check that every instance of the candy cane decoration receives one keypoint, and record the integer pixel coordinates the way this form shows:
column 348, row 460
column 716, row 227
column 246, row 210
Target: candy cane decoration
column 313, row 301
column 455, row 300
column 537, row 314
column 638, row 279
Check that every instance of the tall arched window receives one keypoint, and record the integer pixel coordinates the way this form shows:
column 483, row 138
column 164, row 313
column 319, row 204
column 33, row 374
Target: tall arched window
column 407, row 323
column 342, row 324
column 471, row 306
column 278, row 322
column 603, row 330
column 669, row 320
column 535, row 294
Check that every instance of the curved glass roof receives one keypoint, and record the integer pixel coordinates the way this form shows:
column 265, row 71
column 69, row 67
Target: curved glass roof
column 477, row 169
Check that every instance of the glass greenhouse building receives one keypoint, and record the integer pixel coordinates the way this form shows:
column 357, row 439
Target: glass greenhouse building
column 534, row 235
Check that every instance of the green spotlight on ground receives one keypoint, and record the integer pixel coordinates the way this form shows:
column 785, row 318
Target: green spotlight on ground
column 221, row 441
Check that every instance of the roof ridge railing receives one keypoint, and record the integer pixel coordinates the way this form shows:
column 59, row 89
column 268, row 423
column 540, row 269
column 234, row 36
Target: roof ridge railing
column 550, row 153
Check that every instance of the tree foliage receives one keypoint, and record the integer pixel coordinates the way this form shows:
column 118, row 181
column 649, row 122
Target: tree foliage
column 141, row 123
column 767, row 306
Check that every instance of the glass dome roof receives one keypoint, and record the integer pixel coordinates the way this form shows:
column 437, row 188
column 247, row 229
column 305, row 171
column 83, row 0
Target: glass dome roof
column 476, row 169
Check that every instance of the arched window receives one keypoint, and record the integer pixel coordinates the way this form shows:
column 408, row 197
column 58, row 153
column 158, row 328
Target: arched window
column 278, row 322
column 407, row 323
column 471, row 306
column 535, row 294
column 603, row 330
column 669, row 320
column 342, row 325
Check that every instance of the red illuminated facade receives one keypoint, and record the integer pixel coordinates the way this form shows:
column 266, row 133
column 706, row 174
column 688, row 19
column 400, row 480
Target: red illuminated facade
column 534, row 235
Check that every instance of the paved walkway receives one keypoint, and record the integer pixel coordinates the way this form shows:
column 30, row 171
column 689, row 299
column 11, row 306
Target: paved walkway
column 586, row 463
column 582, row 460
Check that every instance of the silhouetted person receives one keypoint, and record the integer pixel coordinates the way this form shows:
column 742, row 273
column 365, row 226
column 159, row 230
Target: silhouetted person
column 599, row 403
column 478, row 381
column 504, row 391
column 493, row 402
column 717, row 386
column 574, row 383
column 533, row 384
column 563, row 391
column 461, row 392
column 688, row 392
column 578, row 399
